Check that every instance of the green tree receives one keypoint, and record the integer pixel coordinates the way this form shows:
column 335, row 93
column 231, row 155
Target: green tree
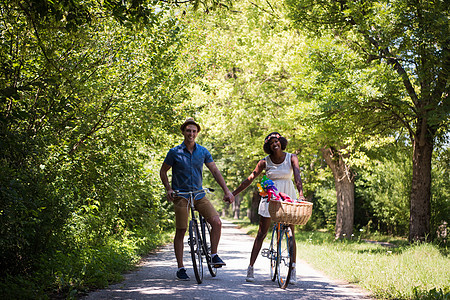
column 252, row 57
column 84, row 110
column 326, row 86
column 411, row 39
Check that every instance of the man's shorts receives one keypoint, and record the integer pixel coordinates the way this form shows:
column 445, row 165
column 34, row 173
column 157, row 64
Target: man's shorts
column 182, row 210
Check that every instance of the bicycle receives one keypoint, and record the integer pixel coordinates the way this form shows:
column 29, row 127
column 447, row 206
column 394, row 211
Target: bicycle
column 199, row 240
column 281, row 257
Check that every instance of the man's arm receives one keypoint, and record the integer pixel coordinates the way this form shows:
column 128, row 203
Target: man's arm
column 219, row 178
column 165, row 180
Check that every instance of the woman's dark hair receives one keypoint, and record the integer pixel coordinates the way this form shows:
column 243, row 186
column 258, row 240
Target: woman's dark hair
column 274, row 135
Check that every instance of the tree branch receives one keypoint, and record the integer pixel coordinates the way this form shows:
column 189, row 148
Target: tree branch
column 265, row 10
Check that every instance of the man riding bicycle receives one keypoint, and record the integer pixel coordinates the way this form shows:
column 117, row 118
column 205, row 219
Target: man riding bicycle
column 186, row 161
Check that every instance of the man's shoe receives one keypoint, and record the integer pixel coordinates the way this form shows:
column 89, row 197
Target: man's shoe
column 217, row 262
column 293, row 279
column 250, row 277
column 181, row 274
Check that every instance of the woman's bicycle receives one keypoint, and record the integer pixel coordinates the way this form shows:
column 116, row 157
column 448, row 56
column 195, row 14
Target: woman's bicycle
column 284, row 212
column 199, row 235
column 280, row 253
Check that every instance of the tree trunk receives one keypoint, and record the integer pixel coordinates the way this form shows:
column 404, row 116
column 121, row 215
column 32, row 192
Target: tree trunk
column 420, row 210
column 345, row 192
column 252, row 212
column 225, row 209
column 237, row 206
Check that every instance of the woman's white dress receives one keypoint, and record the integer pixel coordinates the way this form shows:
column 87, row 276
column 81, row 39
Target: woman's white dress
column 281, row 175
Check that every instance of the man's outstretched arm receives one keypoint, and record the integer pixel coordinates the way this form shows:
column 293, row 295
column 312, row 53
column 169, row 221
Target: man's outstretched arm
column 219, row 178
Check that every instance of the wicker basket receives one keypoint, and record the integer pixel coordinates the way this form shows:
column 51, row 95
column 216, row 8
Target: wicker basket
column 290, row 213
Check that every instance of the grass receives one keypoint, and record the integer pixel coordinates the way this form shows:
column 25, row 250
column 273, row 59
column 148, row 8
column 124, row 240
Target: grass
column 419, row 271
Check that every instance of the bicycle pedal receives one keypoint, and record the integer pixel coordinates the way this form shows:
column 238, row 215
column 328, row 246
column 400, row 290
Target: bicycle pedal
column 265, row 252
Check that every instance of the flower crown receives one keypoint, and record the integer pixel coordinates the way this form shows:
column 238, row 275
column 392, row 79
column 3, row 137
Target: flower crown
column 274, row 135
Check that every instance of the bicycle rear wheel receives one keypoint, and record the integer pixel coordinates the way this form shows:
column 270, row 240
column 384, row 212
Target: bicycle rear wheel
column 206, row 239
column 196, row 248
column 284, row 257
column 273, row 255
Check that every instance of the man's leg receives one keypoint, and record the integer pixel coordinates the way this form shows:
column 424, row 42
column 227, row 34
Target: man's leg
column 206, row 209
column 178, row 245
column 216, row 231
column 181, row 220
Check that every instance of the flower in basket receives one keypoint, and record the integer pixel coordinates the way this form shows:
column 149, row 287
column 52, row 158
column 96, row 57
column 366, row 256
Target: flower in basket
column 269, row 187
column 267, row 184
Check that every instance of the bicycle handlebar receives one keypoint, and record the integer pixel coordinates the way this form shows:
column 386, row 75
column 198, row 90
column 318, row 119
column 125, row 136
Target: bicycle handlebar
column 208, row 190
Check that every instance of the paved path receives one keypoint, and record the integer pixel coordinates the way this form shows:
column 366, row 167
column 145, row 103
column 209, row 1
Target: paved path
column 155, row 278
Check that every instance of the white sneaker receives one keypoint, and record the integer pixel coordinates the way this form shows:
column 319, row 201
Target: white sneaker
column 293, row 279
column 250, row 277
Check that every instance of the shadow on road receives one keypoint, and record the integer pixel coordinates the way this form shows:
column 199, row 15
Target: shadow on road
column 155, row 278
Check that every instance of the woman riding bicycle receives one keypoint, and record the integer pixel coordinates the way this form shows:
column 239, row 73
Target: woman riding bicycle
column 279, row 167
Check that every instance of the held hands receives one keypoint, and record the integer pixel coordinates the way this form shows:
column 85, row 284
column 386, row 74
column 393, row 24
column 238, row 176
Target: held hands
column 228, row 197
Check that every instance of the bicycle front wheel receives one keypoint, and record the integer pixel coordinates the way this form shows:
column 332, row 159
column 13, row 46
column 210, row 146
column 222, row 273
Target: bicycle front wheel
column 206, row 239
column 273, row 255
column 196, row 250
column 284, row 257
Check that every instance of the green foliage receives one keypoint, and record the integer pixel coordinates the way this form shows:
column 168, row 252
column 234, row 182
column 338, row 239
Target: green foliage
column 324, row 209
column 384, row 186
column 440, row 202
column 431, row 294
column 92, row 95
column 83, row 115
column 249, row 54
column 73, row 14
column 398, row 77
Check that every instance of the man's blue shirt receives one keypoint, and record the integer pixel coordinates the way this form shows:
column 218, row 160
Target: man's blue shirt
column 187, row 168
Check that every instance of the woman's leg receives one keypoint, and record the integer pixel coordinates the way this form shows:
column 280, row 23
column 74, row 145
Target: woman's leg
column 293, row 279
column 294, row 257
column 264, row 224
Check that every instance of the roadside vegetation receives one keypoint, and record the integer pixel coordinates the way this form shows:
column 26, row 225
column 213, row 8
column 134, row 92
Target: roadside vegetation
column 73, row 273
